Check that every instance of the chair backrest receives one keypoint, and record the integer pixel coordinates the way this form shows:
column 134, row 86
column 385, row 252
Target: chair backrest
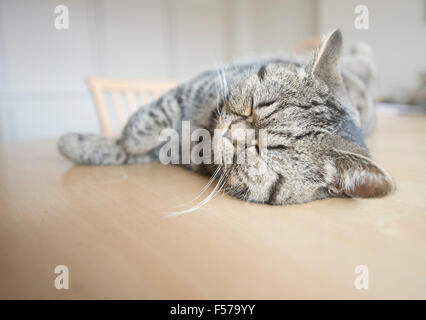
column 125, row 97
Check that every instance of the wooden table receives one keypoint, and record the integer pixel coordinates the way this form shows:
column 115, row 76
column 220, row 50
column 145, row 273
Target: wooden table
column 107, row 225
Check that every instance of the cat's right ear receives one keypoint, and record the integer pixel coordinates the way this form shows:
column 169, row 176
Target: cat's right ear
column 354, row 175
column 327, row 61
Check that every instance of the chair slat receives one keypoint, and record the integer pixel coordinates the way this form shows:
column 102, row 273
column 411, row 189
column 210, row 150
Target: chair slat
column 118, row 106
column 119, row 89
column 130, row 95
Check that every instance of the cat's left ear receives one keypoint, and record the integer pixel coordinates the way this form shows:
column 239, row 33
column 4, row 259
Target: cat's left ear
column 354, row 175
column 327, row 62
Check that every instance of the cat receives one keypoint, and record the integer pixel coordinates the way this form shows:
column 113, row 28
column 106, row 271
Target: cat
column 315, row 112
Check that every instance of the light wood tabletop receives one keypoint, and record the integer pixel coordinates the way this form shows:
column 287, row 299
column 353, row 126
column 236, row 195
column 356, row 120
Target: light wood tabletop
column 108, row 226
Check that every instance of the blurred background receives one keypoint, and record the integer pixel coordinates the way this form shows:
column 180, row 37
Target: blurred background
column 43, row 70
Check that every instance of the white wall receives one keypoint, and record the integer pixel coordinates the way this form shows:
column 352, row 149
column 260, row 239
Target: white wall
column 397, row 34
column 279, row 24
column 268, row 27
column 43, row 70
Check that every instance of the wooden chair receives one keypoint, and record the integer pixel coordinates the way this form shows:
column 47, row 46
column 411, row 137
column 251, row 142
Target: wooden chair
column 126, row 96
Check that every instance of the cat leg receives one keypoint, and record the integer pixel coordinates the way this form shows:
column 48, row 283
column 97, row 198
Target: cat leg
column 142, row 132
column 140, row 135
column 92, row 149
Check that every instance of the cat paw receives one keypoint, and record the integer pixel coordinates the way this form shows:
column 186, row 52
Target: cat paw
column 91, row 149
column 71, row 146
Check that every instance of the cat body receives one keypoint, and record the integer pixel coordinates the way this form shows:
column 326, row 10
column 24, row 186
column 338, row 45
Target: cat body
column 316, row 114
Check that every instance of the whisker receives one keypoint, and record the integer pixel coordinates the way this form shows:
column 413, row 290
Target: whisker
column 219, row 190
column 218, row 186
column 212, row 178
column 223, row 90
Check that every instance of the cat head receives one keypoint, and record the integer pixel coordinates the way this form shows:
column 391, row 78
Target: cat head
column 314, row 146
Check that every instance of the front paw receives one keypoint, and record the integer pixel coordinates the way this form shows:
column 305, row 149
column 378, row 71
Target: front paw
column 71, row 145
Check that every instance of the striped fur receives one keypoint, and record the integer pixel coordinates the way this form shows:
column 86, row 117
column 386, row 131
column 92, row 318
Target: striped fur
column 314, row 112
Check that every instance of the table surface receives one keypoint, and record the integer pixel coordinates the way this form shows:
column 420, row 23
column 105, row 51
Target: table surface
column 108, row 226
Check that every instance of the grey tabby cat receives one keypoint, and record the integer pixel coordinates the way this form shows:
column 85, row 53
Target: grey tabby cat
column 315, row 114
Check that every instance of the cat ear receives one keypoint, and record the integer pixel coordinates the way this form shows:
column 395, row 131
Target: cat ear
column 327, row 62
column 354, row 175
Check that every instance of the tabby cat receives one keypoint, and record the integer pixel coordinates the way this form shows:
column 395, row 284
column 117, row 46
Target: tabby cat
column 315, row 113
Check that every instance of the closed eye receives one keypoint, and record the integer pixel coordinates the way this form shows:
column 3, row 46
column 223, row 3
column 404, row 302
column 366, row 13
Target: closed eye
column 265, row 104
column 277, row 147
